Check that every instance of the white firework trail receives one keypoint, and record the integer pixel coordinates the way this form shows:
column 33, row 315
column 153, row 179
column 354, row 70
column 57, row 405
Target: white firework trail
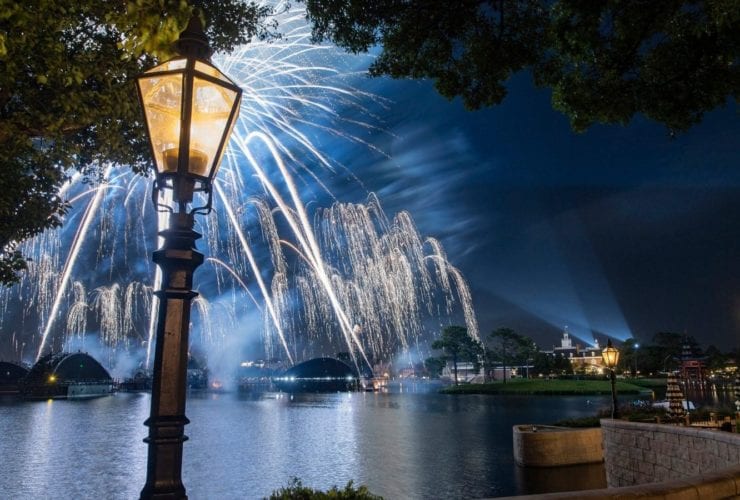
column 107, row 303
column 137, row 297
column 77, row 315
column 344, row 277
column 203, row 307
column 250, row 256
column 79, row 238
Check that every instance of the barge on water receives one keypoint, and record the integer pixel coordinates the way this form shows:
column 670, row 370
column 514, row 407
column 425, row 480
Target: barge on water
column 318, row 375
column 66, row 375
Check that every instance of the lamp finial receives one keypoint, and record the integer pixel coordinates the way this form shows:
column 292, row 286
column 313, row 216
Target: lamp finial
column 193, row 42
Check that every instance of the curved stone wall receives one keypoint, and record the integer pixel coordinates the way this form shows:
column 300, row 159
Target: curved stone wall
column 724, row 484
column 637, row 453
column 661, row 462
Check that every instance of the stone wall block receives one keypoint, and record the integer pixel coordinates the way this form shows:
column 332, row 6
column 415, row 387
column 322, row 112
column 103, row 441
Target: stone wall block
column 733, row 454
column 662, row 473
column 678, row 466
column 649, row 456
column 685, row 441
column 646, row 468
column 722, row 451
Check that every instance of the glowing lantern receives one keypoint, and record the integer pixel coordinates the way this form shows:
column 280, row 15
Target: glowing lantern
column 190, row 108
column 610, row 355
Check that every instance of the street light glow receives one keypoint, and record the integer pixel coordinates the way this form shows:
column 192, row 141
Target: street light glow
column 610, row 355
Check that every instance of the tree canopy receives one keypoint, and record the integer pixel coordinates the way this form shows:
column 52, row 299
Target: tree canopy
column 67, row 95
column 511, row 347
column 459, row 346
column 434, row 366
column 605, row 61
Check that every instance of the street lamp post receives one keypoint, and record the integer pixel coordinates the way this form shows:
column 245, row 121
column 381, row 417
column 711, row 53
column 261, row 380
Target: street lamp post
column 634, row 354
column 190, row 108
column 610, row 356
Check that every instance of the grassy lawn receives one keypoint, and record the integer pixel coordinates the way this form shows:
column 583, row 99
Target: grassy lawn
column 544, row 387
column 648, row 382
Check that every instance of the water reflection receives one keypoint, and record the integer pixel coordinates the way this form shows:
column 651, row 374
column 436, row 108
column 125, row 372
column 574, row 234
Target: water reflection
column 717, row 393
column 410, row 445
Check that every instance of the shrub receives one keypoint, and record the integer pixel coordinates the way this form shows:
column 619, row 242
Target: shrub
column 296, row 491
column 579, row 422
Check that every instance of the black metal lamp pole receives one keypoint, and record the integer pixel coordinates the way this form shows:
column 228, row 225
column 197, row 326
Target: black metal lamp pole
column 610, row 357
column 177, row 258
column 190, row 109
column 615, row 404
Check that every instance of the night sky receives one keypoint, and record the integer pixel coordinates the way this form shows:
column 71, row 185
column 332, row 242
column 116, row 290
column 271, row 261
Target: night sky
column 619, row 231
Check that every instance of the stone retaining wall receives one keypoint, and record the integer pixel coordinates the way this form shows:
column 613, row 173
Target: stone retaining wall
column 721, row 485
column 663, row 462
column 638, row 453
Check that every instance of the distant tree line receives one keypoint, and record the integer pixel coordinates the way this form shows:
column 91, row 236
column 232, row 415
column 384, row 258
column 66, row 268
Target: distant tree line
column 665, row 351
column 509, row 349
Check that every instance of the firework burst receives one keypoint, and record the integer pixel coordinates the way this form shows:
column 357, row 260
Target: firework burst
column 342, row 277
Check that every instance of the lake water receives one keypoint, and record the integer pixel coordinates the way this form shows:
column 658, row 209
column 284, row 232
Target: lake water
column 407, row 444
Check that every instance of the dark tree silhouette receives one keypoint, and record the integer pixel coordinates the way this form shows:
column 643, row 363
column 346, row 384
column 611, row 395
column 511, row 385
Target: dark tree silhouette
column 459, row 346
column 67, row 95
column 605, row 61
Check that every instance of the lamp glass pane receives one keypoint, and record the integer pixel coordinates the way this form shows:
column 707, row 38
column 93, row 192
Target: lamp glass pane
column 212, row 105
column 211, row 71
column 162, row 101
column 171, row 65
column 610, row 356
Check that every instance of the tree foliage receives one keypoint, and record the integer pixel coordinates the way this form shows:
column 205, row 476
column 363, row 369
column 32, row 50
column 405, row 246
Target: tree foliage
column 628, row 355
column 511, row 348
column 469, row 48
column 665, row 352
column 605, row 61
column 545, row 364
column 458, row 346
column 715, row 358
column 67, row 95
column 434, row 366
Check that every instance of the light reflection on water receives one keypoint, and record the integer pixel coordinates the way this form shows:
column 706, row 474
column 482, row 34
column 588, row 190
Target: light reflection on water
column 402, row 446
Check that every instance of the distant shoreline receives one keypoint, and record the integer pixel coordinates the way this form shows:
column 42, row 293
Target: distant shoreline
column 546, row 388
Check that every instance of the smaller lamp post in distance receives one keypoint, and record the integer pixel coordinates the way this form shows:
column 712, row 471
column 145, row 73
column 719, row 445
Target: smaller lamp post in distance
column 190, row 108
column 610, row 357
column 634, row 356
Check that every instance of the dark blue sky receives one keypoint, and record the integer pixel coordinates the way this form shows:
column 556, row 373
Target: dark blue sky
column 622, row 231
